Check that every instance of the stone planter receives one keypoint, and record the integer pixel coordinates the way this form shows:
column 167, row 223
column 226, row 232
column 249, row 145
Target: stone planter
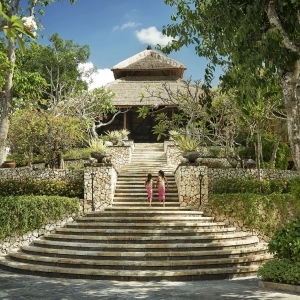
column 9, row 164
column 99, row 156
column 191, row 156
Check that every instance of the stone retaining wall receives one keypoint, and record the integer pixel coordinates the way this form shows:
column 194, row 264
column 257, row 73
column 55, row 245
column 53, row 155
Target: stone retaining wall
column 121, row 155
column 99, row 185
column 15, row 242
column 40, row 174
column 189, row 184
column 265, row 174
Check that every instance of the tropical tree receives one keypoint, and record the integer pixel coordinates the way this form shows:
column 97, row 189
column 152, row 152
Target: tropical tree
column 10, row 13
column 245, row 37
column 89, row 106
column 58, row 63
column 43, row 135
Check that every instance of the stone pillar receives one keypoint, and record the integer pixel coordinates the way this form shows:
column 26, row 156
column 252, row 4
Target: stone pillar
column 99, row 186
column 192, row 188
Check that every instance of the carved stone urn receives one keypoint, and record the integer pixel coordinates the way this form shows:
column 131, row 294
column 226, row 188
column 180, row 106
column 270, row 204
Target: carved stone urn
column 191, row 156
column 99, row 156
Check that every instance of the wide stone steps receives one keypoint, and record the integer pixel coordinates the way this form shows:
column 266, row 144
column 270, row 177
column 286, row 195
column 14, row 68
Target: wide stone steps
column 132, row 241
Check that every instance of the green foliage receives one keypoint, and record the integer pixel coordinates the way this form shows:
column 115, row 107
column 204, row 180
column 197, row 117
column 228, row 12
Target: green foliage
column 268, row 141
column 14, row 28
column 262, row 212
column 77, row 153
column 285, row 243
column 247, row 185
column 64, row 188
column 186, row 143
column 97, row 145
column 281, row 271
column 44, row 135
column 57, row 63
column 295, row 187
column 19, row 215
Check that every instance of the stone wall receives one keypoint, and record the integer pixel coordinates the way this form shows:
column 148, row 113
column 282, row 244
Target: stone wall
column 121, row 155
column 40, row 174
column 15, row 242
column 99, row 185
column 174, row 156
column 265, row 174
column 192, row 188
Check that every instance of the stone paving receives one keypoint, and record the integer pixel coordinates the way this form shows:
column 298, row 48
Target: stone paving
column 26, row 287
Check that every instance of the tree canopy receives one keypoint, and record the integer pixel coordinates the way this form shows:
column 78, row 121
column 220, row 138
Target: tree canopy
column 246, row 37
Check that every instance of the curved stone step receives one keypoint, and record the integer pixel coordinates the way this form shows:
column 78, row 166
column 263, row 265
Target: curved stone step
column 145, row 255
column 126, row 219
column 177, row 225
column 144, row 232
column 138, row 239
column 139, row 264
column 141, row 275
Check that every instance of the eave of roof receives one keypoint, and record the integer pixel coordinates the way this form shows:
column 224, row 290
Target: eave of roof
column 129, row 90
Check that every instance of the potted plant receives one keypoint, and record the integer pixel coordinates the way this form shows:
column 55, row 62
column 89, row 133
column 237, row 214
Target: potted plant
column 188, row 146
column 173, row 134
column 124, row 133
column 98, row 149
column 114, row 136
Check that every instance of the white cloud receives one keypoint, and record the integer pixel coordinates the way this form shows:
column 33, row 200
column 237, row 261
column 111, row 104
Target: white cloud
column 152, row 36
column 115, row 28
column 130, row 24
column 97, row 78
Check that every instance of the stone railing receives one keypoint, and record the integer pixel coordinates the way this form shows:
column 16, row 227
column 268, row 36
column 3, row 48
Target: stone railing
column 192, row 188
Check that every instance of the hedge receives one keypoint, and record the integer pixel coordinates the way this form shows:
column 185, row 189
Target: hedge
column 19, row 215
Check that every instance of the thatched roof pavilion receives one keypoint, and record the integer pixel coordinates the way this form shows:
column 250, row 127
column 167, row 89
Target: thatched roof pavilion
column 145, row 70
column 145, row 73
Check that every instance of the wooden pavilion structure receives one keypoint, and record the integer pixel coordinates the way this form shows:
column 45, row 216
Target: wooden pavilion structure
column 147, row 71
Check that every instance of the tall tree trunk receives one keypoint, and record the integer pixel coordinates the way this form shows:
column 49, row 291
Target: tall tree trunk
column 7, row 102
column 290, row 83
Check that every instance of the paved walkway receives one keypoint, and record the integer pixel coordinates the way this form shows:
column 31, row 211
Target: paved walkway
column 21, row 287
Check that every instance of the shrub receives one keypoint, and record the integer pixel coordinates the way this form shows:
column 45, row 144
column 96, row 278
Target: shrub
column 295, row 186
column 78, row 153
column 285, row 243
column 281, row 271
column 64, row 188
column 254, row 186
column 263, row 212
column 19, row 215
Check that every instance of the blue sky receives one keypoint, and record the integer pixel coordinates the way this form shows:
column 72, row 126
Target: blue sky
column 116, row 30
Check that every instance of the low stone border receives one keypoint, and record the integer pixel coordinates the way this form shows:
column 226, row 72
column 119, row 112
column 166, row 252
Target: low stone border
column 280, row 286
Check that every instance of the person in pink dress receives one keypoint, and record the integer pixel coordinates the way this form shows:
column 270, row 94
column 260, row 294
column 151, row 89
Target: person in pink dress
column 161, row 184
column 149, row 187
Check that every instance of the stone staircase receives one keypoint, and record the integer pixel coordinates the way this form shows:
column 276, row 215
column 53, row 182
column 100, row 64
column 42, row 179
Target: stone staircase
column 132, row 241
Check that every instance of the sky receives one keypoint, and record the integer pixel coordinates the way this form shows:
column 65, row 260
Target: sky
column 116, row 30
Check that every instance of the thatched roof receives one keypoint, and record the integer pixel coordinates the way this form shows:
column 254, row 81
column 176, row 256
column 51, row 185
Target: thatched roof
column 148, row 63
column 129, row 90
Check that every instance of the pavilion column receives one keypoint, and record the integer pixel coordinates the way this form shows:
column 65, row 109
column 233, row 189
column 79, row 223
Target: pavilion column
column 125, row 120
